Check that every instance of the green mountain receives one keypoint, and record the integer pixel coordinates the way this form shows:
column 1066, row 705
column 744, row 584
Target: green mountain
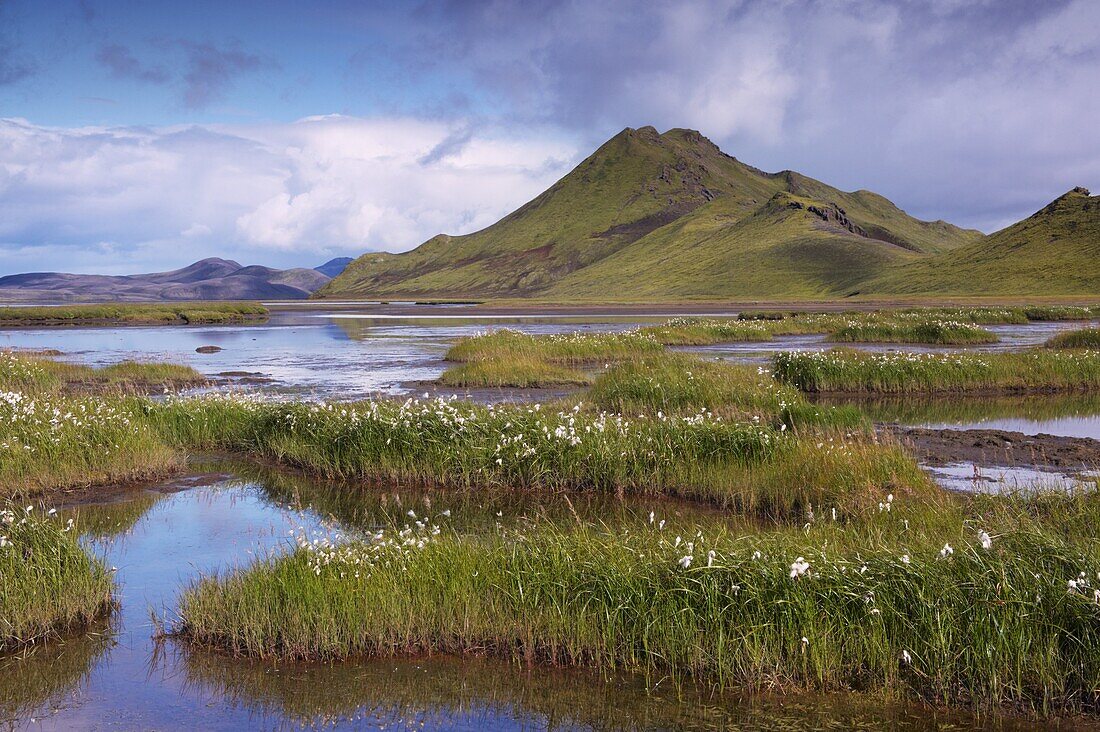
column 1056, row 251
column 652, row 215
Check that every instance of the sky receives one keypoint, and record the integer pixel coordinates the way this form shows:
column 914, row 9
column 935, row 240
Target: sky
column 141, row 136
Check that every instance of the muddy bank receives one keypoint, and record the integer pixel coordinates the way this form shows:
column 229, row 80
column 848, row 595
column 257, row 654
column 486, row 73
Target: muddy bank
column 997, row 448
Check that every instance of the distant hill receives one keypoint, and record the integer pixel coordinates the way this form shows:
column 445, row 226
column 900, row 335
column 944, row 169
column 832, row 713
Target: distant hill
column 207, row 279
column 1054, row 251
column 333, row 267
column 652, row 216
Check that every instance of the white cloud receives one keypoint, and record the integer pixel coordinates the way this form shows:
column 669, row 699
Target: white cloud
column 322, row 184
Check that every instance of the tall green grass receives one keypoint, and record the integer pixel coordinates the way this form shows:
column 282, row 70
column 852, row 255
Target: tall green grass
column 843, row 370
column 984, row 609
column 49, row 584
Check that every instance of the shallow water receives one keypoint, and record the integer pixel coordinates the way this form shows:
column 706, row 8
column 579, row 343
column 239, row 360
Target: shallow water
column 333, row 352
column 1063, row 415
column 1013, row 338
column 967, row 478
column 116, row 676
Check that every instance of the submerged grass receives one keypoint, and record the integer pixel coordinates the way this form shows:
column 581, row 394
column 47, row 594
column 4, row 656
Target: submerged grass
column 845, row 370
column 977, row 604
column 1084, row 338
column 136, row 313
column 50, row 585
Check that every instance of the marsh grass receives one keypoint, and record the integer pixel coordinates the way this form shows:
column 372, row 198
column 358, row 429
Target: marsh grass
column 522, row 372
column 706, row 331
column 1083, row 338
column 35, row 375
column 56, row 443
column 678, row 383
column 932, row 332
column 136, row 313
column 571, row 349
column 750, row 466
column 50, row 585
column 981, row 605
column 845, row 370
column 1060, row 312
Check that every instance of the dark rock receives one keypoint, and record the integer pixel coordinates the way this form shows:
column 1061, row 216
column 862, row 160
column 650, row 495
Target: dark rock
column 208, row 349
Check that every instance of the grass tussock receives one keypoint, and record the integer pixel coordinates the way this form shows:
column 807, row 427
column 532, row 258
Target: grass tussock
column 702, row 456
column 573, row 349
column 136, row 313
column 681, row 384
column 1084, row 338
column 844, row 370
column 50, row 585
column 985, row 604
column 707, row 331
column 30, row 374
column 932, row 332
column 56, row 443
column 520, row 372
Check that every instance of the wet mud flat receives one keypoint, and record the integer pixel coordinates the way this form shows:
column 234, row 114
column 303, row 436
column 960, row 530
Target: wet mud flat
column 997, row 448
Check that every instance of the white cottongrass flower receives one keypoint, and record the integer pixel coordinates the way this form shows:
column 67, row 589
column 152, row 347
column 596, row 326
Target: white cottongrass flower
column 906, row 658
column 1071, row 585
column 685, row 561
column 905, row 559
column 987, row 542
column 799, row 567
column 946, row 551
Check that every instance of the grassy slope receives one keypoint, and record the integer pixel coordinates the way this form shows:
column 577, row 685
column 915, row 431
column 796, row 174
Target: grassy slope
column 662, row 200
column 777, row 251
column 1055, row 251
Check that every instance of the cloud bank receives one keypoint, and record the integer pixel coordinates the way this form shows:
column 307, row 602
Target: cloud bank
column 89, row 198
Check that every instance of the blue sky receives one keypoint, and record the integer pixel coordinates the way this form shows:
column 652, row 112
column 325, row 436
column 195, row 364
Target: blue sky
column 144, row 135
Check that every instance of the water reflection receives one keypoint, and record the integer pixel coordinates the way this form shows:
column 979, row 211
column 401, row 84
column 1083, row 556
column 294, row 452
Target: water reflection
column 479, row 694
column 1074, row 414
column 348, row 353
column 367, row 505
column 169, row 535
column 42, row 678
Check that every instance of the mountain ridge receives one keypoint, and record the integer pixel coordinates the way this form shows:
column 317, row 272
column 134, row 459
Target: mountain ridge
column 1056, row 250
column 616, row 210
column 212, row 278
